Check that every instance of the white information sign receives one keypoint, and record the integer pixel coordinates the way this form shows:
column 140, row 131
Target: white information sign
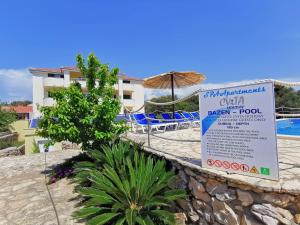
column 239, row 130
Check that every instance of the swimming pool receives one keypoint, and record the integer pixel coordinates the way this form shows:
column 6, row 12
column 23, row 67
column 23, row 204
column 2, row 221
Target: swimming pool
column 288, row 127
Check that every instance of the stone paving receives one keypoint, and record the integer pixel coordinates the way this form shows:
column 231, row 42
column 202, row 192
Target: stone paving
column 23, row 195
column 173, row 145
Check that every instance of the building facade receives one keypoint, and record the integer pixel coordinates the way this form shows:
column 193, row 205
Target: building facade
column 23, row 112
column 130, row 90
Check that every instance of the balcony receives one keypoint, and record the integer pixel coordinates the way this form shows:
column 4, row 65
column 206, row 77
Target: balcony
column 53, row 82
column 81, row 81
column 128, row 102
column 49, row 102
column 128, row 87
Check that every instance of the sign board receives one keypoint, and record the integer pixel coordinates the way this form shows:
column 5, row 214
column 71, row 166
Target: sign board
column 238, row 128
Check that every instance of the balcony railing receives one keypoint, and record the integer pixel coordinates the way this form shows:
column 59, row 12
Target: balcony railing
column 128, row 102
column 128, row 87
column 80, row 80
column 49, row 101
column 53, row 82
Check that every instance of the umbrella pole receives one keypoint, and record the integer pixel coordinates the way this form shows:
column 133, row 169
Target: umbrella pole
column 173, row 97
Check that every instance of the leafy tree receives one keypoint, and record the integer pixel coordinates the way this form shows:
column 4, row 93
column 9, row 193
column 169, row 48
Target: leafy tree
column 287, row 97
column 130, row 189
column 190, row 105
column 85, row 118
column 14, row 103
column 24, row 103
column 6, row 118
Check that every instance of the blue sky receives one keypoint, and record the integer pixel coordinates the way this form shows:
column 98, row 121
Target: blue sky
column 225, row 40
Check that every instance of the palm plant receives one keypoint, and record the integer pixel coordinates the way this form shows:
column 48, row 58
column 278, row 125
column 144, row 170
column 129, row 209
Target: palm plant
column 132, row 192
column 113, row 155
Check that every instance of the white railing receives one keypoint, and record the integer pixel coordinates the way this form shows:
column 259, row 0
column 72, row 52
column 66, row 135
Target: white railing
column 128, row 87
column 49, row 101
column 53, row 82
column 128, row 102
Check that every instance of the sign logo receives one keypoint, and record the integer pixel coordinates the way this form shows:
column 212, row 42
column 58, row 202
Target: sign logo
column 226, row 164
column 218, row 163
column 210, row 162
column 264, row 170
column 254, row 170
column 235, row 166
column 244, row 167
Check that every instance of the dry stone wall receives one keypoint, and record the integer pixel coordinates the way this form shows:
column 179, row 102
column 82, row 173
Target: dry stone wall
column 213, row 200
column 12, row 151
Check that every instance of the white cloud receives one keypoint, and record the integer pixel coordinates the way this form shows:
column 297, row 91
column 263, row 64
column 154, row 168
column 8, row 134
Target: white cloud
column 15, row 84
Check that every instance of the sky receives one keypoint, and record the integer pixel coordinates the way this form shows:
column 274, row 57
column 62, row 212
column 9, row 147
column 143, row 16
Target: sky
column 228, row 40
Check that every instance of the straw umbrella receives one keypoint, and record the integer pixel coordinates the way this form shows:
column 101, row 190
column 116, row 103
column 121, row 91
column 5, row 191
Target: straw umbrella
column 173, row 80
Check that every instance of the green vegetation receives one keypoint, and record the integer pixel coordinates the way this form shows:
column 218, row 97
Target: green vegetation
column 35, row 148
column 284, row 97
column 85, row 118
column 190, row 105
column 6, row 118
column 118, row 183
column 14, row 103
column 10, row 143
column 129, row 189
column 287, row 97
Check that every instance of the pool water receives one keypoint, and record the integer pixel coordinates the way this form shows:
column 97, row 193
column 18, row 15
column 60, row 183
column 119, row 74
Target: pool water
column 288, row 127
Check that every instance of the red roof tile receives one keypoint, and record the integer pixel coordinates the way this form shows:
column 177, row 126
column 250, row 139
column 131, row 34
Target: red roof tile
column 18, row 108
column 75, row 69
column 48, row 70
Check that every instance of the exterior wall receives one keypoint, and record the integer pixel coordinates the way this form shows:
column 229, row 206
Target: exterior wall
column 31, row 137
column 216, row 200
column 119, row 87
column 66, row 79
column 138, row 96
column 19, row 126
column 37, row 93
column 42, row 84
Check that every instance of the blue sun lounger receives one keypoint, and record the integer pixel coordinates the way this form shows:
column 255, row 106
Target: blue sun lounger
column 182, row 120
column 178, row 120
column 196, row 115
column 189, row 117
column 141, row 121
column 167, row 123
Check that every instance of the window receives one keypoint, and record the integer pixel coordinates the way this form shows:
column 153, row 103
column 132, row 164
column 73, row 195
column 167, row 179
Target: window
column 50, row 94
column 126, row 81
column 126, row 96
column 55, row 75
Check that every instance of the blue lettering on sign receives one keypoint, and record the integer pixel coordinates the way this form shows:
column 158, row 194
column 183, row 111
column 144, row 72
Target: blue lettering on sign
column 250, row 111
column 225, row 92
column 219, row 112
column 211, row 118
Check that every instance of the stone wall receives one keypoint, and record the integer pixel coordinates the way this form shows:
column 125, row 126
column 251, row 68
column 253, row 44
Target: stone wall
column 4, row 136
column 217, row 201
column 12, row 151
column 66, row 145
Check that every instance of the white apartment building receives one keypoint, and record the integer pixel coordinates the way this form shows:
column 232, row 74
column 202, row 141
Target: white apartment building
column 130, row 90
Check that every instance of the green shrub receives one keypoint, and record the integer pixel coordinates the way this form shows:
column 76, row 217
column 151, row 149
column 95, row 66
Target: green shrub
column 6, row 118
column 95, row 159
column 35, row 147
column 129, row 189
column 85, row 118
column 10, row 143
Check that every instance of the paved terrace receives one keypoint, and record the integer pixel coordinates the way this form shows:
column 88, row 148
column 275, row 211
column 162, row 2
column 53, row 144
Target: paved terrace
column 171, row 145
column 24, row 198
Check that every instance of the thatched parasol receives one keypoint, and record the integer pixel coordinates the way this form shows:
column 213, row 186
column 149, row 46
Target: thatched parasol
column 173, row 80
